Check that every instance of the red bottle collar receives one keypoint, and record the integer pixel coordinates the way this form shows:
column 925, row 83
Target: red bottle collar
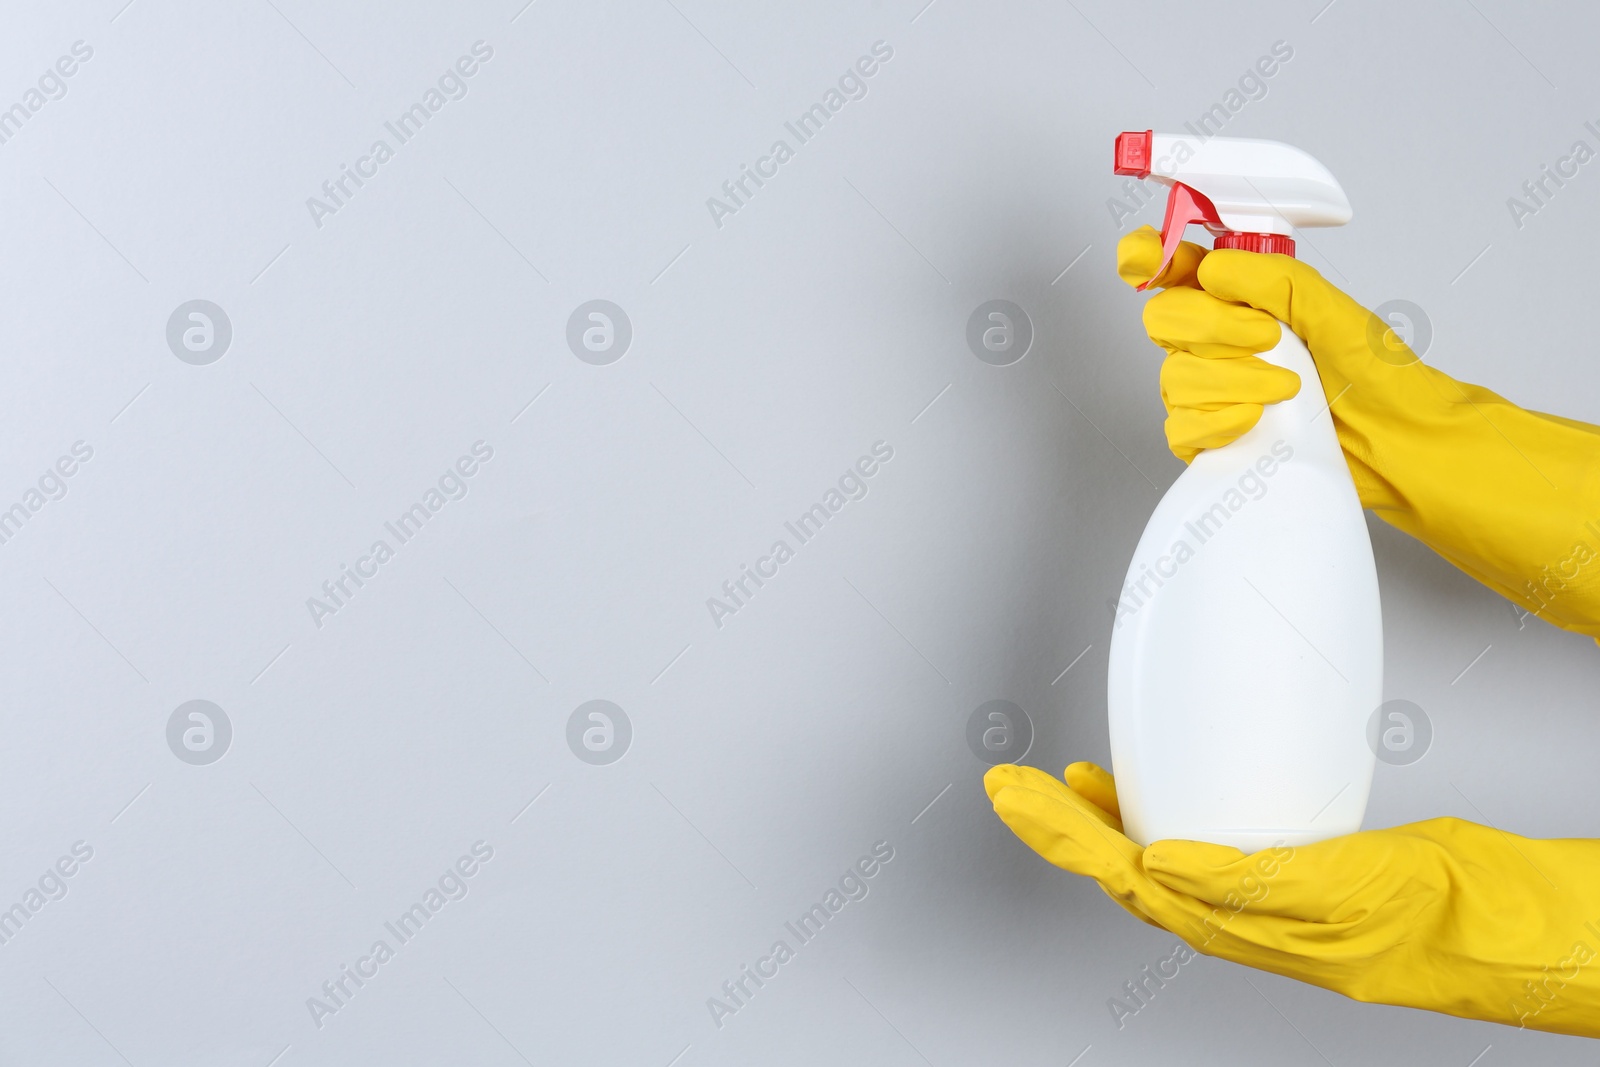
column 1280, row 243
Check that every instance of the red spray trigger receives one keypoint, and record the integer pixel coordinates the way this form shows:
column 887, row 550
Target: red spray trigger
column 1184, row 206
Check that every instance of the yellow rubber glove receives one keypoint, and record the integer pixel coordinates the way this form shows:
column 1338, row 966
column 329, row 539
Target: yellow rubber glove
column 1510, row 496
column 1444, row 915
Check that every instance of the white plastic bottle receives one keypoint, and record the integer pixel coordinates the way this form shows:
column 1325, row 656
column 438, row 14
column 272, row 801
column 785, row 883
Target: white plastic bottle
column 1247, row 654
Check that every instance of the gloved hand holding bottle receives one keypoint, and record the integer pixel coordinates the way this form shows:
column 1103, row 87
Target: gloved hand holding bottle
column 1443, row 914
column 1510, row 496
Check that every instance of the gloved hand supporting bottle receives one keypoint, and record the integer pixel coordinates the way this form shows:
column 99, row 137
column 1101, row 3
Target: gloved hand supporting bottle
column 1444, row 915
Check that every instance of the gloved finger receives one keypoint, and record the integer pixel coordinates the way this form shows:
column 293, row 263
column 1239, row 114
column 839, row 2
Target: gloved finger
column 1192, row 430
column 1315, row 309
column 1012, row 776
column 1071, row 834
column 1139, row 254
column 1002, row 775
column 1193, row 381
column 1094, row 784
column 1009, row 775
column 1198, row 322
column 1327, row 882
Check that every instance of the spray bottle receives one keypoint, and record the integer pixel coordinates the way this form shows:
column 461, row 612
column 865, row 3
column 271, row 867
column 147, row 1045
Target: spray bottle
column 1247, row 654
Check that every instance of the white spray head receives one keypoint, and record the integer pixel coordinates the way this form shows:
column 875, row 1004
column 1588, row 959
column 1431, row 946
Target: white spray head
column 1250, row 194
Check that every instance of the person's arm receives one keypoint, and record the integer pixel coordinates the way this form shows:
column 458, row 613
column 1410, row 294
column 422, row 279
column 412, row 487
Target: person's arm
column 1508, row 495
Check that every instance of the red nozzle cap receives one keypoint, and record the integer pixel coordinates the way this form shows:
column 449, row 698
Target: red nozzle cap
column 1133, row 153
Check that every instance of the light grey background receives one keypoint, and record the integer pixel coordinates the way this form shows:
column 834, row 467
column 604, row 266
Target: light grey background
column 767, row 355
